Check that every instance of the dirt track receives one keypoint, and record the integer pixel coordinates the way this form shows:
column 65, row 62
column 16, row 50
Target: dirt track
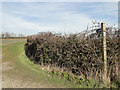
column 14, row 81
column 17, row 82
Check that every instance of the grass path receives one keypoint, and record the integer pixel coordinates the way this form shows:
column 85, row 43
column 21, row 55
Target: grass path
column 19, row 72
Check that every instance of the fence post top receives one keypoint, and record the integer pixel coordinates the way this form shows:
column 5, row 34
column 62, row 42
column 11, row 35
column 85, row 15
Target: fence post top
column 103, row 23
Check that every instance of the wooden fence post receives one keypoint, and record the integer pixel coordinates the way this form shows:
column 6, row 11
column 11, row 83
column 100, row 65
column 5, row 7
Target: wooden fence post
column 103, row 28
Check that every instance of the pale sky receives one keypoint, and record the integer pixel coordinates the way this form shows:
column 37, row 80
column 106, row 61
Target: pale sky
column 32, row 17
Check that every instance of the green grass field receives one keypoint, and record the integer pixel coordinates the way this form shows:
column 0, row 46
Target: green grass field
column 14, row 55
column 11, row 41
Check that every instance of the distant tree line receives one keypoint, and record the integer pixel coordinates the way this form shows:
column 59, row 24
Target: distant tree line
column 8, row 35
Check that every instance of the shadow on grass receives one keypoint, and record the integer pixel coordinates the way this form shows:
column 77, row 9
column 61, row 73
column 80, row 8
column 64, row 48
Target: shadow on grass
column 118, row 84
